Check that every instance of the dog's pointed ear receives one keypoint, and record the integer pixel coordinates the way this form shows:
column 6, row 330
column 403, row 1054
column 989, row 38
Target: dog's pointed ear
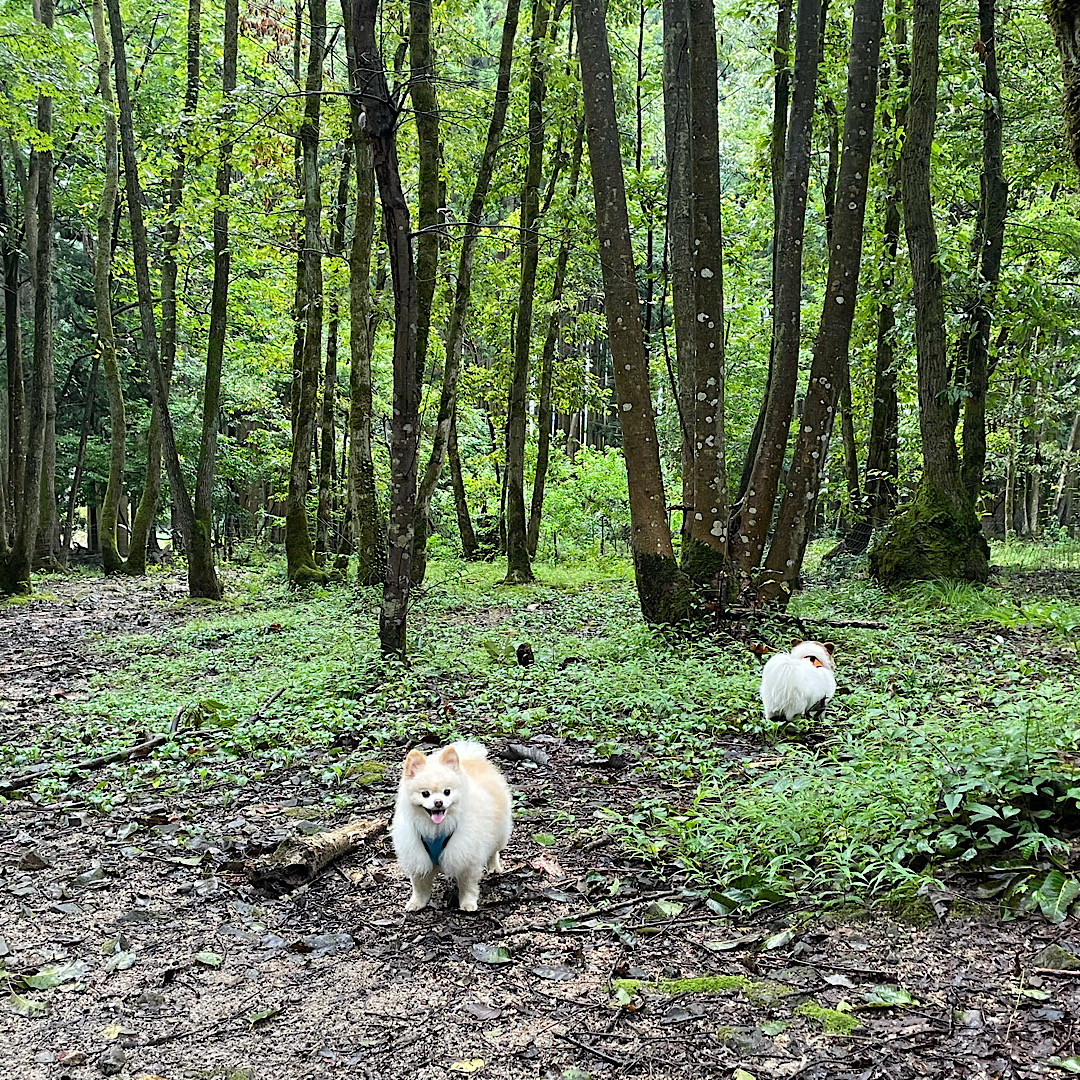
column 414, row 762
column 449, row 758
column 795, row 642
column 830, row 648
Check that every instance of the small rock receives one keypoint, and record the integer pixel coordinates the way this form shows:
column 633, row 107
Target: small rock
column 71, row 1057
column 31, row 860
column 1056, row 958
column 112, row 1060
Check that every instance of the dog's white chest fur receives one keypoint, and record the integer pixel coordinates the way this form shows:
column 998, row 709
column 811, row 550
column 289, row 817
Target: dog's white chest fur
column 794, row 683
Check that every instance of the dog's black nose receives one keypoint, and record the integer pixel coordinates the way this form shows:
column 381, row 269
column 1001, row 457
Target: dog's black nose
column 438, row 804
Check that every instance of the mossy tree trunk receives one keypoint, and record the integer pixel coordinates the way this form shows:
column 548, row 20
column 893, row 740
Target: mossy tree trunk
column 16, row 565
column 299, row 550
column 1064, row 17
column 368, row 78
column 664, row 591
column 455, row 331
column 937, row 535
column 368, row 538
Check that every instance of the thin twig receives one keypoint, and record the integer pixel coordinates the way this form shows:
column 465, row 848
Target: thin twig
column 610, row 1058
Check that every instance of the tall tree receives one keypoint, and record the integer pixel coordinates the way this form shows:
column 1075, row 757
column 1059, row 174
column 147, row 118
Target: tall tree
column 938, row 534
column 663, row 590
column 455, row 330
column 796, row 516
column 368, row 79
column 1064, row 17
column 518, row 566
column 9, row 252
column 705, row 549
column 754, row 514
column 988, row 244
column 15, row 567
column 299, row 551
column 367, row 536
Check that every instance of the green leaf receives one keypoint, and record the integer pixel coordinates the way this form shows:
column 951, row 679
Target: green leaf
column 1071, row 1064
column 258, row 1016
column 886, row 997
column 25, row 1006
column 544, row 839
column 1056, row 895
column 491, row 954
column 208, row 959
column 777, row 941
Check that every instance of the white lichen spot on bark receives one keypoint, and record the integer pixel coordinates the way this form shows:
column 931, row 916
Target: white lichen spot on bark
column 706, row 272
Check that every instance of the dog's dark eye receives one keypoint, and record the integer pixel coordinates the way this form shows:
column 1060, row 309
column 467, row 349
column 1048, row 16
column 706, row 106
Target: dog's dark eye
column 446, row 791
column 425, row 794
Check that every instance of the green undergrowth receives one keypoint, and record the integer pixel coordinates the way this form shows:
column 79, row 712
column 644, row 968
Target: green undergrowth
column 952, row 742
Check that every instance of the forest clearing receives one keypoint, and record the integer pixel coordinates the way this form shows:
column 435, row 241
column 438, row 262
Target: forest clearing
column 689, row 890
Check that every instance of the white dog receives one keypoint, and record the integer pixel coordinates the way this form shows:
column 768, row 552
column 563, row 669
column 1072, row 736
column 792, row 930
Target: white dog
column 452, row 814
column 800, row 681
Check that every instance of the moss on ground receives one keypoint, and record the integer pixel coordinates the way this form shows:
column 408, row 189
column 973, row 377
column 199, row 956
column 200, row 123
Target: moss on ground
column 756, row 991
column 832, row 1021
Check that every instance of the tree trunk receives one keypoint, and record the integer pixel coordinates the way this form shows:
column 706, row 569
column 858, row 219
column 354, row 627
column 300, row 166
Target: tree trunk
column 363, row 510
column 989, row 241
column 1061, row 493
column 369, row 80
column 159, row 378
column 299, row 552
column 203, row 580
column 1064, row 17
column 754, row 514
column 15, row 568
column 469, row 546
column 326, row 418
column 938, row 535
column 518, row 567
column 680, row 227
column 80, row 459
column 796, row 518
column 16, row 402
column 663, row 590
column 547, row 364
column 705, row 554
column 456, row 326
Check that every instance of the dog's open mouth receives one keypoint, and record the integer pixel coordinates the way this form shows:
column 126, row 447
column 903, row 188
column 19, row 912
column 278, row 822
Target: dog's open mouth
column 436, row 815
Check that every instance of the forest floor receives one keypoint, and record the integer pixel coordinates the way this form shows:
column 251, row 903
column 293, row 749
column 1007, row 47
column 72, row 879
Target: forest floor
column 132, row 945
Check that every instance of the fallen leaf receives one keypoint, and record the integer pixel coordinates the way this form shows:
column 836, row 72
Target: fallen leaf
column 779, row 940
column 482, row 1011
column 208, row 959
column 469, row 1065
column 258, row 1016
column 886, row 997
column 491, row 954
column 25, row 1006
column 548, row 864
column 555, row 974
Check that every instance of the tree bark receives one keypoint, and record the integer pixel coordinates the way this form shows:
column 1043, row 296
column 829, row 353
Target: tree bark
column 463, row 287
column 938, row 535
column 203, row 580
column 80, row 459
column 1064, row 18
column 518, row 565
column 15, row 568
column 368, row 79
column 680, row 227
column 363, row 510
column 663, row 590
column 796, row 517
column 705, row 550
column 547, row 363
column 989, row 242
column 299, row 552
column 1061, row 493
column 469, row 545
column 754, row 514
column 16, row 402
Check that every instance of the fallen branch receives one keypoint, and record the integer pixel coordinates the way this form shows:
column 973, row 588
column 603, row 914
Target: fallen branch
column 299, row 860
column 783, row 616
column 258, row 713
column 138, row 750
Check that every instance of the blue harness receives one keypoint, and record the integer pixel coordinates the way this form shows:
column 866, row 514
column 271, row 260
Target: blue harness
column 435, row 846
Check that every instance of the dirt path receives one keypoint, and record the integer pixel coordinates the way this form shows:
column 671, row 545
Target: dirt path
column 168, row 965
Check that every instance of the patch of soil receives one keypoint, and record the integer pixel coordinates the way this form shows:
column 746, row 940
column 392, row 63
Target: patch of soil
column 186, row 972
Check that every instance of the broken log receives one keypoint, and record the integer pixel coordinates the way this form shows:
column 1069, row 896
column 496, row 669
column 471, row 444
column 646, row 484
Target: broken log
column 301, row 858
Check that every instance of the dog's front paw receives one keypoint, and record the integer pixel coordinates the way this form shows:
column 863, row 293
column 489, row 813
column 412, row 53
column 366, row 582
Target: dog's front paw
column 468, row 904
column 416, row 904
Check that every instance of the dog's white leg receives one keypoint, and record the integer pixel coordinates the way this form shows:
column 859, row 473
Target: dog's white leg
column 468, row 885
column 421, row 891
column 495, row 864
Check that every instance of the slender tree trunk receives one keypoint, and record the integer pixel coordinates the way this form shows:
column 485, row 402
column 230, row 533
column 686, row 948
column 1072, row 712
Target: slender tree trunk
column 299, row 551
column 754, row 515
column 16, row 565
column 663, row 590
column 705, row 556
column 16, row 402
column 1068, row 470
column 101, row 258
column 518, row 568
column 326, row 418
column 547, row 363
column 680, row 227
column 469, row 546
column 1064, row 17
column 990, row 238
column 938, row 535
column 203, row 579
column 80, row 460
column 426, row 111
column 159, row 380
column 369, row 80
column 363, row 510
column 797, row 509
column 456, row 326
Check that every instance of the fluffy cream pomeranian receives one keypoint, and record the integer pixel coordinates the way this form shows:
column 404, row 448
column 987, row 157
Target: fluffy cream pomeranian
column 452, row 814
column 800, row 681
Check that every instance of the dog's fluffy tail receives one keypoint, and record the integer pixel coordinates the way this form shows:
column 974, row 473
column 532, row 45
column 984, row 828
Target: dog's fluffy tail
column 470, row 750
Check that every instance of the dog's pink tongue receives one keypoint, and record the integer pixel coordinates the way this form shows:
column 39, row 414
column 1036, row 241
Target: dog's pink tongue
column 437, row 818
